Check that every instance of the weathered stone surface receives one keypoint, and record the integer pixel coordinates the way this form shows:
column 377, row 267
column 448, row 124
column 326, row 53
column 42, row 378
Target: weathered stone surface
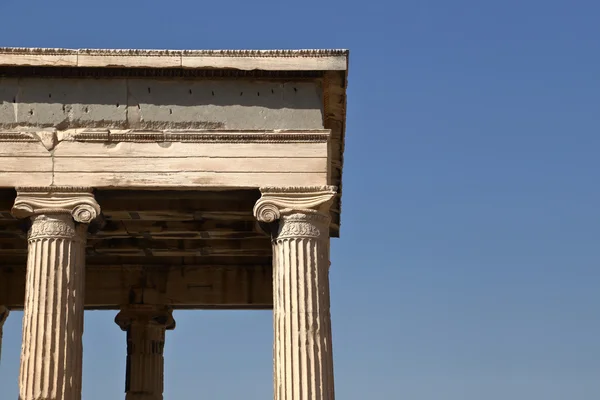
column 41, row 58
column 9, row 90
column 334, row 63
column 193, row 159
column 52, row 352
column 268, row 60
column 326, row 70
column 177, row 143
column 77, row 202
column 66, row 103
column 155, row 104
column 53, row 319
column 224, row 105
column 303, row 367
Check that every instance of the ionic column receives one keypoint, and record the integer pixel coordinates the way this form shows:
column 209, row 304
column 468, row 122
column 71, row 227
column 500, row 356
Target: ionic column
column 52, row 351
column 145, row 326
column 298, row 220
column 3, row 316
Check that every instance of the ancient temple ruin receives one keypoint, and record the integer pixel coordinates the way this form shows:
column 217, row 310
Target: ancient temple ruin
column 149, row 181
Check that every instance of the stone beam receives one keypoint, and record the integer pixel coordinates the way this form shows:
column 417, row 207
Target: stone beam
column 164, row 159
column 180, row 287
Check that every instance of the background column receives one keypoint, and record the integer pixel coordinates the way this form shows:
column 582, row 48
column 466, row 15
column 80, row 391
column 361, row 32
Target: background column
column 145, row 326
column 51, row 353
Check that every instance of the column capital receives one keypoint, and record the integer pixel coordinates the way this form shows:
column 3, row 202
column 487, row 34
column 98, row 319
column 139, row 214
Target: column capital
column 78, row 202
column 145, row 313
column 276, row 202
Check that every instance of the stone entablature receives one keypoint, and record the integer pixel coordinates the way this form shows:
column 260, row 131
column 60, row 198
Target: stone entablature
column 46, row 94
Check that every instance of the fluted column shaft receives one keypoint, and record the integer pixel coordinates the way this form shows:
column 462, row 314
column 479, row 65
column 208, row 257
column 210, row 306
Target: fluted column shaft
column 298, row 220
column 51, row 355
column 145, row 329
column 52, row 349
column 303, row 362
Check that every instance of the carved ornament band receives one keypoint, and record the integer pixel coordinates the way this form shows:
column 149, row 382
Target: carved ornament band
column 78, row 202
column 56, row 226
column 303, row 225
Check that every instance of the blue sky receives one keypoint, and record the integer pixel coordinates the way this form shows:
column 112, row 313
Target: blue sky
column 469, row 262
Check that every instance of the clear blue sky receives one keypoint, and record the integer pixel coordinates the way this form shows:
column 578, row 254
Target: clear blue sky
column 469, row 262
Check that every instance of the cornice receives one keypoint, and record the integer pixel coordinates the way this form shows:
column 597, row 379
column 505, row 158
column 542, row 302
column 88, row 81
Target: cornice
column 183, row 53
column 267, row 60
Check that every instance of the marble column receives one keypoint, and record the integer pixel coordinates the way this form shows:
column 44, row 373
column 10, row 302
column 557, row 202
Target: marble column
column 145, row 326
column 52, row 351
column 298, row 221
column 3, row 316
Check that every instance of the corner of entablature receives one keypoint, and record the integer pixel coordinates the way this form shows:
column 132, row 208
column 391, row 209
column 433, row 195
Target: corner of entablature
column 79, row 202
column 276, row 201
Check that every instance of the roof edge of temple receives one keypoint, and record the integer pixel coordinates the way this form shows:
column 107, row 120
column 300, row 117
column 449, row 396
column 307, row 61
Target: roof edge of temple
column 315, row 59
column 223, row 52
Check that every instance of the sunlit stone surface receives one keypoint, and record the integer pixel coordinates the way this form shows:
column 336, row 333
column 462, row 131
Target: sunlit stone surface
column 154, row 180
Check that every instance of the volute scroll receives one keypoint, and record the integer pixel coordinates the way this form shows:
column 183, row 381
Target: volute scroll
column 78, row 202
column 278, row 201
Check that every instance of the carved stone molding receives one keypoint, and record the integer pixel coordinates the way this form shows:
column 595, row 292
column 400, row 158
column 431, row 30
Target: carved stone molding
column 310, row 224
column 52, row 138
column 76, row 201
column 162, row 53
column 59, row 226
column 276, row 202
